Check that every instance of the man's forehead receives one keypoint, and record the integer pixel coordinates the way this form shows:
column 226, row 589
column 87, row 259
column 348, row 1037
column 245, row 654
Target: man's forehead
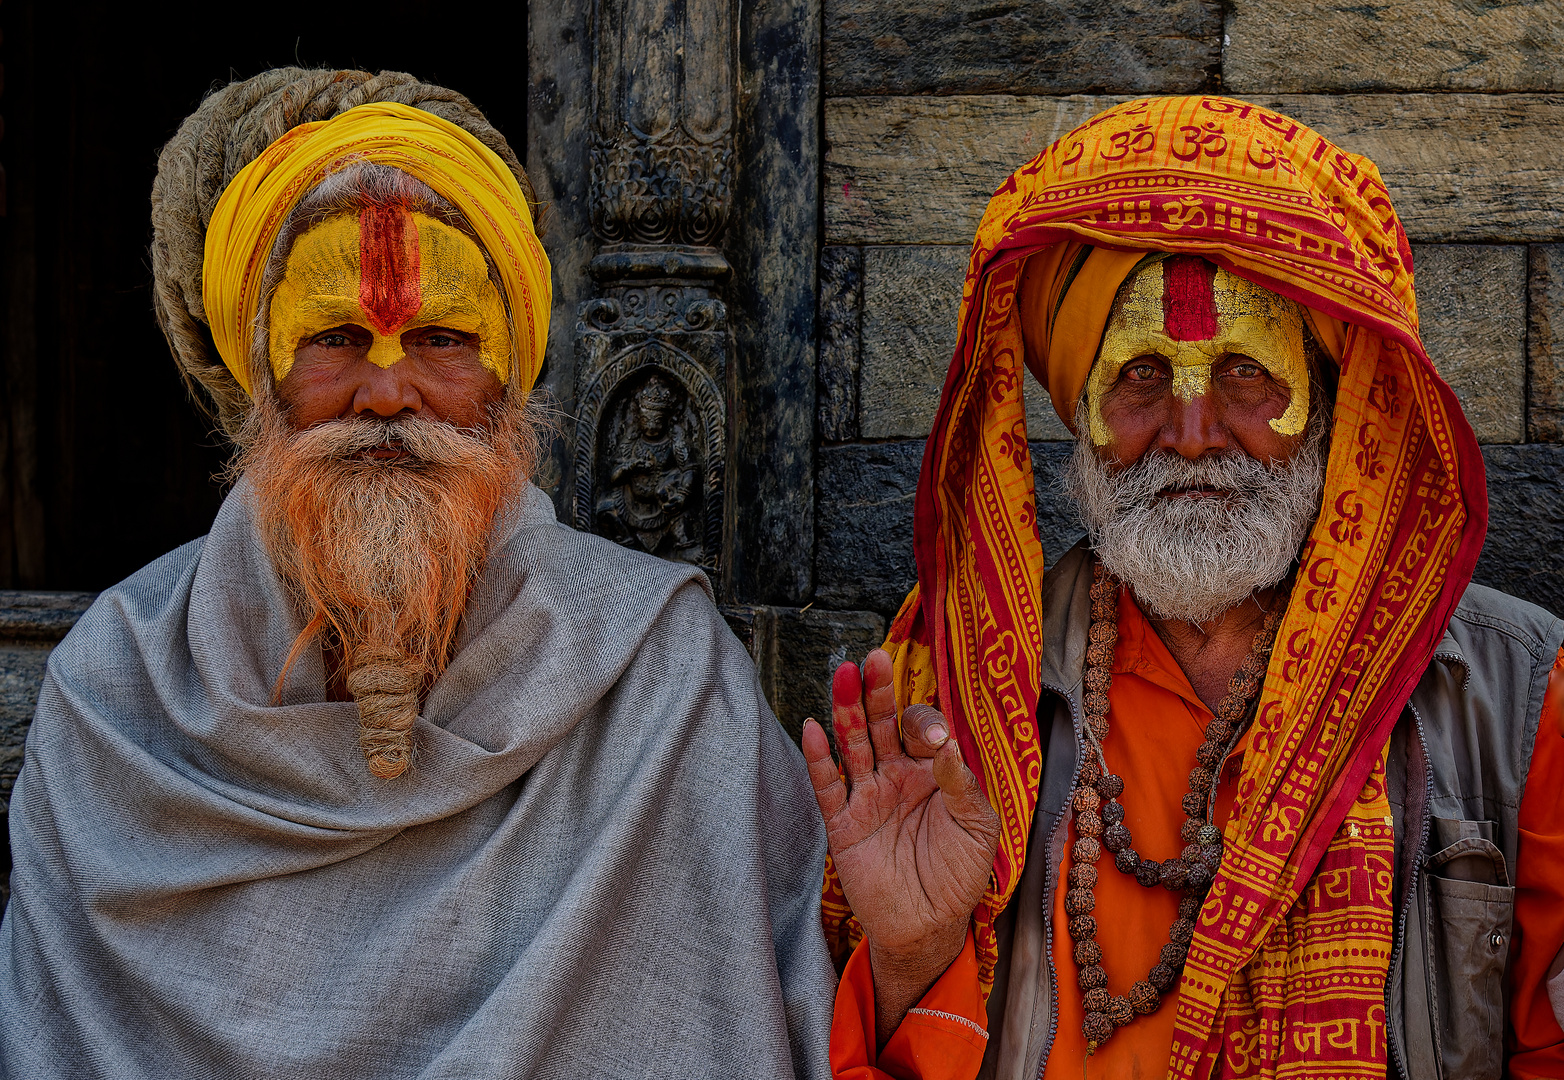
column 1188, row 298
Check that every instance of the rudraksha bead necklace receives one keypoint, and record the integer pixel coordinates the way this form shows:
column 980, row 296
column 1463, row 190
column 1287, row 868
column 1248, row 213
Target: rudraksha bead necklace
column 1099, row 821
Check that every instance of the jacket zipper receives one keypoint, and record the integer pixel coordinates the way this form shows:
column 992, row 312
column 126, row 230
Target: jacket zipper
column 1050, row 883
column 1411, row 888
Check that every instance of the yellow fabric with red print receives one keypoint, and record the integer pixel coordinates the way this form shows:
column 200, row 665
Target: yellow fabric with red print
column 1278, row 946
column 422, row 263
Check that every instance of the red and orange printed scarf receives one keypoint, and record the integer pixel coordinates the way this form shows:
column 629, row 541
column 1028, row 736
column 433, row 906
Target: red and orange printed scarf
column 1287, row 969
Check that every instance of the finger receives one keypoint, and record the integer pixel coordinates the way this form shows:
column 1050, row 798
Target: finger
column 852, row 730
column 964, row 797
column 923, row 731
column 824, row 776
column 879, row 696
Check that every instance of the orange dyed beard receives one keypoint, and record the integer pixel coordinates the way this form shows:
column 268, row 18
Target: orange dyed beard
column 381, row 553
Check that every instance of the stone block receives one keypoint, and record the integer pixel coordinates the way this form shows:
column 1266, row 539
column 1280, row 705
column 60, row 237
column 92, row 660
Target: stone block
column 796, row 650
column 911, row 301
column 771, row 242
column 1524, row 553
column 806, row 648
column 863, row 525
column 1294, row 46
column 30, row 625
column 1052, row 46
column 1459, row 167
column 840, row 319
column 1471, row 301
column 902, row 170
column 1545, row 343
column 864, row 521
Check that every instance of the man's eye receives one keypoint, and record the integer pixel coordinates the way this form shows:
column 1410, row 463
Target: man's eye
column 333, row 341
column 1246, row 371
column 1140, row 372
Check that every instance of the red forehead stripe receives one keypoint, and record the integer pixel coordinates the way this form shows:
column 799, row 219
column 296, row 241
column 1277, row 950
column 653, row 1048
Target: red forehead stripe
column 388, row 288
column 1188, row 298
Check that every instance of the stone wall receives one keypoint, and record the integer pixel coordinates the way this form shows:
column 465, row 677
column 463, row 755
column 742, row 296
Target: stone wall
column 930, row 104
column 30, row 625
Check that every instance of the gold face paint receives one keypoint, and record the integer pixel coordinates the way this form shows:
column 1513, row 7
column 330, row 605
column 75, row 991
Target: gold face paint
column 387, row 271
column 1192, row 320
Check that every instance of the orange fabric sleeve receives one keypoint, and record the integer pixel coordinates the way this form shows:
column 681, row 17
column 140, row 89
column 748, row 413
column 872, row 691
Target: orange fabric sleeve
column 1535, row 1038
column 942, row 1038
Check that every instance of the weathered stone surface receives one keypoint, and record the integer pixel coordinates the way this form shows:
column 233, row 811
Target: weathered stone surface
column 1460, row 167
column 1523, row 555
column 1053, row 46
column 864, row 558
column 863, row 525
column 1471, row 301
column 559, row 100
column 1296, row 46
column 840, row 321
column 30, row 625
column 1545, row 343
column 911, row 299
column 920, row 170
column 772, row 301
column 798, row 652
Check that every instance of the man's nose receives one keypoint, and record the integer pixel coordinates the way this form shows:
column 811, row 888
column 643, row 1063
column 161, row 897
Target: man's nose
column 386, row 391
column 1194, row 427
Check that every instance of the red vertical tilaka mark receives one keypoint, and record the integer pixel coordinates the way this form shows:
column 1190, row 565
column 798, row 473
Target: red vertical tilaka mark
column 388, row 267
column 1188, row 298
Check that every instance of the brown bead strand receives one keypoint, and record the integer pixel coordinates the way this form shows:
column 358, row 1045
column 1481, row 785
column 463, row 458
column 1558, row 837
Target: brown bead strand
column 1099, row 823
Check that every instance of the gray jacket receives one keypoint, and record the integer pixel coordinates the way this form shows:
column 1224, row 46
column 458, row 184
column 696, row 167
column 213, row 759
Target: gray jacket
column 1456, row 771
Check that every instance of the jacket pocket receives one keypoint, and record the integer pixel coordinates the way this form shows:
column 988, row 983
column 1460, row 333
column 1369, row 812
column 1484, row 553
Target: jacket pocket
column 1470, row 909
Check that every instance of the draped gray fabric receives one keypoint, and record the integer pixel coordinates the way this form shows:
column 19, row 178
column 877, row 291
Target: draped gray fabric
column 606, row 861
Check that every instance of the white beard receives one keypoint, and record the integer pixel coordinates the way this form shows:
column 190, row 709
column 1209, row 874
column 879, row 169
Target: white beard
column 1192, row 558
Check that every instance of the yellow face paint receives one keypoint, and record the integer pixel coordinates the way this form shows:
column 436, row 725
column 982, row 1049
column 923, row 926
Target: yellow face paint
column 387, row 271
column 1179, row 310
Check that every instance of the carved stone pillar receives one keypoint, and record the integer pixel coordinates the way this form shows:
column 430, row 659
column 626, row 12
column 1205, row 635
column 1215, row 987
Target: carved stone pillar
column 653, row 348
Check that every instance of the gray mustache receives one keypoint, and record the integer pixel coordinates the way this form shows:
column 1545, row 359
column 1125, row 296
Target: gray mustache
column 1141, row 483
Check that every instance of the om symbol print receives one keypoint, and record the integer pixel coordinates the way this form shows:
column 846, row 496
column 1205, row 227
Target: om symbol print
column 1138, row 140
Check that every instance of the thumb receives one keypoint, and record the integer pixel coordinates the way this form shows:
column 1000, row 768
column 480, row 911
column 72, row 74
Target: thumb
column 964, row 796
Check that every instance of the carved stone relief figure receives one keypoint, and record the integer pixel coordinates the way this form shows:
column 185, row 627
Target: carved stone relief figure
column 650, row 465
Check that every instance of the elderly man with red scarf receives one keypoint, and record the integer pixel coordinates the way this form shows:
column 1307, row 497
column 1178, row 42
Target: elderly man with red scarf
column 1253, row 782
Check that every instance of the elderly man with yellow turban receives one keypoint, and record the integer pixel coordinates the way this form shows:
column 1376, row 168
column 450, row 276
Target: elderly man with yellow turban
column 391, row 774
column 1253, row 782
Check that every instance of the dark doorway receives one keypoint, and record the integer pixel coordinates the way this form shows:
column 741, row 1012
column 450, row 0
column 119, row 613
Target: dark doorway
column 104, row 462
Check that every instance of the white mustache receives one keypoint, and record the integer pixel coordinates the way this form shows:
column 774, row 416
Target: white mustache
column 426, row 441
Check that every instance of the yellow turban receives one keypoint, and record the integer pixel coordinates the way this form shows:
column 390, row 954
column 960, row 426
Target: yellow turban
column 252, row 209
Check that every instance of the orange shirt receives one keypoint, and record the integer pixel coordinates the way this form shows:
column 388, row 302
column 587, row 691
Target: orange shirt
column 1156, row 723
column 1157, row 718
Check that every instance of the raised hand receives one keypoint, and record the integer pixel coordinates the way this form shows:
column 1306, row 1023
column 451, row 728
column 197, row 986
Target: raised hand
column 912, row 835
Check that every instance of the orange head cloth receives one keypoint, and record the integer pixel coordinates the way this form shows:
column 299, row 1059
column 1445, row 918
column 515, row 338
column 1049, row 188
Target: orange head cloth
column 1403, row 518
column 453, row 162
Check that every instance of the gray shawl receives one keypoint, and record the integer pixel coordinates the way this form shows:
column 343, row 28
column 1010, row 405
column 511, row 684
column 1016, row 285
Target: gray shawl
column 606, row 861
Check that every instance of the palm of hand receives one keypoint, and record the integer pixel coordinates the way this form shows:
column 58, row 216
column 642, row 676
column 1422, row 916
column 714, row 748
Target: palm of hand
column 910, row 830
column 909, row 868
